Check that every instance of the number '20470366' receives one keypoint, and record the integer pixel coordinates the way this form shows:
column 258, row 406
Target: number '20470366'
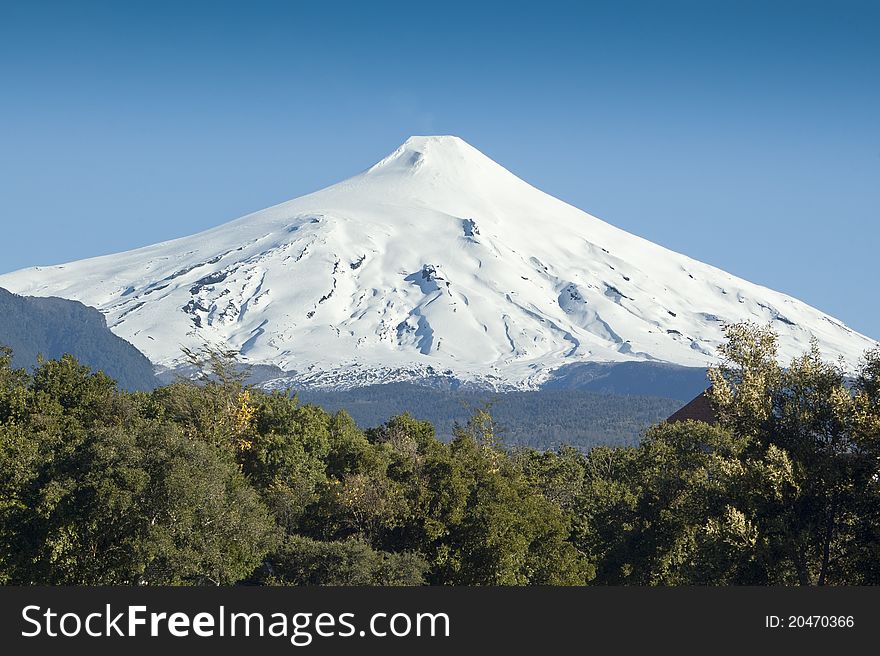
column 809, row 622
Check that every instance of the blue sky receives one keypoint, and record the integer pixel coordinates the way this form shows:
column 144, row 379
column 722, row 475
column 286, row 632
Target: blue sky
column 744, row 134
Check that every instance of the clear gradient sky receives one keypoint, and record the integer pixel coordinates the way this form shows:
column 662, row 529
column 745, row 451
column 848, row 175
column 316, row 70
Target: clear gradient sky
column 744, row 134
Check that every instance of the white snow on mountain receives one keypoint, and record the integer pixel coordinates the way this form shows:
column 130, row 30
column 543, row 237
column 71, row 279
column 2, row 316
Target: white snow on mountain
column 436, row 261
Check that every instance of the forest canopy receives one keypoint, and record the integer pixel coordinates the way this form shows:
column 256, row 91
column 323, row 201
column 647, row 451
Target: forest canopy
column 214, row 482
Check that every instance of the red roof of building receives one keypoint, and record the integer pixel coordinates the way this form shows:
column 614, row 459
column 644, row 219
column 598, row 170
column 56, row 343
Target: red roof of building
column 700, row 409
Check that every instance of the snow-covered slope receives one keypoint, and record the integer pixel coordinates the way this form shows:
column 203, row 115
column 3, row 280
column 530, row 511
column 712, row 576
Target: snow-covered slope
column 434, row 262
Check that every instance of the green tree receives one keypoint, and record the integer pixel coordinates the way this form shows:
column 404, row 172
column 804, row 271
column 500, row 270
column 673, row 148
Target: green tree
column 810, row 414
column 510, row 533
column 305, row 561
column 94, row 493
column 135, row 505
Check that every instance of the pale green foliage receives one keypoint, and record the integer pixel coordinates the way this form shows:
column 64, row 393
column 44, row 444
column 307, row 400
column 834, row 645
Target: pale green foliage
column 813, row 434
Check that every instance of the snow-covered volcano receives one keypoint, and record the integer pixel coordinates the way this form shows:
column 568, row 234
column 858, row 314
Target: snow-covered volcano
column 434, row 262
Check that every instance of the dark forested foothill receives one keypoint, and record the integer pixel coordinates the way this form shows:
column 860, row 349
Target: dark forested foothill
column 215, row 483
column 51, row 327
column 541, row 419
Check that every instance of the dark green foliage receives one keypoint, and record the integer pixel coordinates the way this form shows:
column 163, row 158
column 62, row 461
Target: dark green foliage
column 784, row 491
column 94, row 492
column 665, row 513
column 304, row 561
column 52, row 327
column 219, row 483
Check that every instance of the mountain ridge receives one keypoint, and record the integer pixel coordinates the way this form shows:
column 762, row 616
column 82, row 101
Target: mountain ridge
column 51, row 327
